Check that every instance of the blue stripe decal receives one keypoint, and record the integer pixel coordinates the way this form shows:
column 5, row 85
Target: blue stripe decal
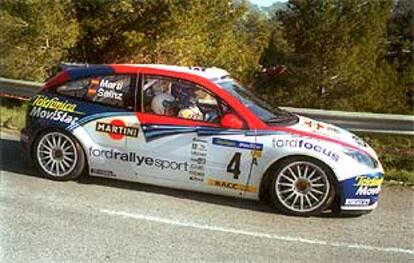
column 97, row 116
column 264, row 133
column 93, row 70
column 238, row 144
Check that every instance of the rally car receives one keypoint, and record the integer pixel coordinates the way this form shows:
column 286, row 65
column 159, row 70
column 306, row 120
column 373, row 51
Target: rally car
column 196, row 129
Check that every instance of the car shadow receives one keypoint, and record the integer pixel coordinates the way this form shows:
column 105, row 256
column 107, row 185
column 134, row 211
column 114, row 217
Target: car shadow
column 14, row 159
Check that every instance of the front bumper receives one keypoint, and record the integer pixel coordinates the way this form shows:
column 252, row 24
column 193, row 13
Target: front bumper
column 361, row 193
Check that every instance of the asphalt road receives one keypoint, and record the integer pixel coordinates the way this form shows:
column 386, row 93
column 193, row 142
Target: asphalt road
column 100, row 220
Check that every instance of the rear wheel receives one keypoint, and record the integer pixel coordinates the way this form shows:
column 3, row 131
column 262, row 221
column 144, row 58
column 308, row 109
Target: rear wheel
column 58, row 156
column 302, row 186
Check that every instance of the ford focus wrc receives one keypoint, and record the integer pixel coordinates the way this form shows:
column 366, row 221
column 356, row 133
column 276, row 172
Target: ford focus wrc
column 196, row 129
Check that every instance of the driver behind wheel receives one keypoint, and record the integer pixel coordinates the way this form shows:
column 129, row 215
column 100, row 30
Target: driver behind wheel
column 188, row 103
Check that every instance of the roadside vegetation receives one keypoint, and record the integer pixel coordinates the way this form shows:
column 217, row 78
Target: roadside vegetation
column 396, row 154
column 349, row 55
column 12, row 114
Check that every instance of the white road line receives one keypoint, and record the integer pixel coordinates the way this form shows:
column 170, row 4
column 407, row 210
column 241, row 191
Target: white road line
column 256, row 234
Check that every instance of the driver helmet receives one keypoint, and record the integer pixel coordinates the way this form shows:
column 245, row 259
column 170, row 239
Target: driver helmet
column 163, row 104
column 185, row 95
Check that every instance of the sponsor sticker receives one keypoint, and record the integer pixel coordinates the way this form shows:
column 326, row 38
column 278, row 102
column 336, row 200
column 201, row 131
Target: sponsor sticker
column 198, row 159
column 233, row 186
column 54, row 103
column 199, row 147
column 196, row 153
column 117, row 129
column 238, row 144
column 111, row 90
column 195, row 173
column 365, row 190
column 197, row 139
column 357, row 202
column 363, row 180
column 317, row 126
column 196, row 166
column 359, row 141
column 195, row 178
column 54, row 109
column 302, row 144
column 368, row 185
column 140, row 160
column 102, row 172
column 256, row 155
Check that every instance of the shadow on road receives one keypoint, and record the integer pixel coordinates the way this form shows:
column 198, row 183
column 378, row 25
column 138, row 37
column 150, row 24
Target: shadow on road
column 14, row 159
column 197, row 196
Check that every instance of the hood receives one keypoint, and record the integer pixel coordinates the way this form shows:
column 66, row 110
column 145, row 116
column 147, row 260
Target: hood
column 333, row 132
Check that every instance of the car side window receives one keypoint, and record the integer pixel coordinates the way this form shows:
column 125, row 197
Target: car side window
column 110, row 90
column 177, row 98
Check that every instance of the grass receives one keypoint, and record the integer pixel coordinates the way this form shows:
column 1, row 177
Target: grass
column 396, row 153
column 12, row 114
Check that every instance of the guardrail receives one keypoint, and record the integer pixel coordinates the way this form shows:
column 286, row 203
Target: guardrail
column 355, row 121
column 18, row 89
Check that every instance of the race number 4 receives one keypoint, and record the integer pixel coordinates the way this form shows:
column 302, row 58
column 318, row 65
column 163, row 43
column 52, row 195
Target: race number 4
column 234, row 165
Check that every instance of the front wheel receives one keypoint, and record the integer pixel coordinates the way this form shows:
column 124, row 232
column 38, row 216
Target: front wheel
column 58, row 156
column 302, row 186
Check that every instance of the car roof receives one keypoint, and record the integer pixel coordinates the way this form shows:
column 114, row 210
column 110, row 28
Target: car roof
column 213, row 73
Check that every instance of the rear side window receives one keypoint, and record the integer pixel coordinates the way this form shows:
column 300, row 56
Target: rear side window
column 111, row 90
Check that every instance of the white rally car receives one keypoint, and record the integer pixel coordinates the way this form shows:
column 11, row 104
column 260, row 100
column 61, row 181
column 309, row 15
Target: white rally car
column 196, row 129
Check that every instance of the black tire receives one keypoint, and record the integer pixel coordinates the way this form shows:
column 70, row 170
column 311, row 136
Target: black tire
column 68, row 164
column 302, row 190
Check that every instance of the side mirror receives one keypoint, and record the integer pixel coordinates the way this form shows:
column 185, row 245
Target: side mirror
column 231, row 121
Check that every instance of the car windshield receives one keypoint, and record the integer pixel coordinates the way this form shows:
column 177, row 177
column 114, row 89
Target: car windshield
column 262, row 109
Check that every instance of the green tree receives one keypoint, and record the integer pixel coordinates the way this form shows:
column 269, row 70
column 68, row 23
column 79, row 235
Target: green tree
column 35, row 36
column 337, row 58
column 205, row 33
column 401, row 48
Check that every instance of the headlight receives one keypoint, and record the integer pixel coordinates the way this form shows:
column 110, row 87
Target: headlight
column 362, row 158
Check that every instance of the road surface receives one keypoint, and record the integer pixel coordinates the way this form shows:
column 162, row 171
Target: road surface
column 103, row 220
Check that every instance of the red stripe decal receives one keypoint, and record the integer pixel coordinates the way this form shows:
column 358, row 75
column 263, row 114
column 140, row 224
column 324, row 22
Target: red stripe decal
column 149, row 118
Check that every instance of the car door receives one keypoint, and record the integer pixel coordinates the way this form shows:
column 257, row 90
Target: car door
column 162, row 151
column 108, row 103
column 182, row 149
